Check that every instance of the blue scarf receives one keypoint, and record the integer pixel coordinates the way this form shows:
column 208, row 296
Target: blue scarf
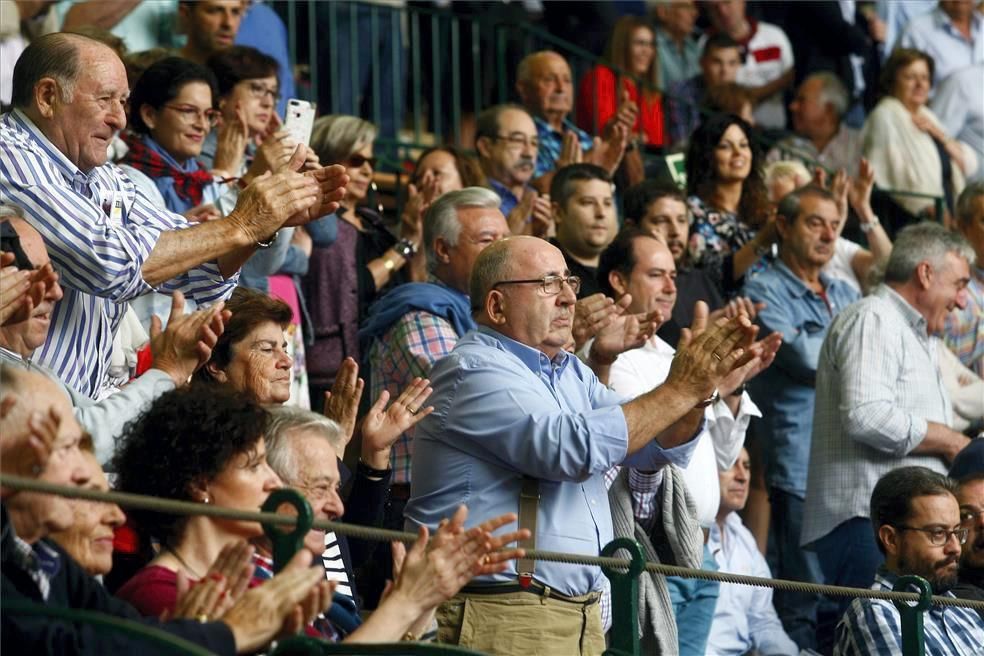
column 437, row 299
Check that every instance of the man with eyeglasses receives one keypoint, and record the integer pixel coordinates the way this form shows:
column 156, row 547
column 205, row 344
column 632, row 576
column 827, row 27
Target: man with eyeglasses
column 521, row 425
column 917, row 524
column 507, row 143
column 108, row 242
column 970, row 494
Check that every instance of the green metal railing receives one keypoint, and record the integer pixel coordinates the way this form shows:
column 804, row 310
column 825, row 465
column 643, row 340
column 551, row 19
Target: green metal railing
column 623, row 573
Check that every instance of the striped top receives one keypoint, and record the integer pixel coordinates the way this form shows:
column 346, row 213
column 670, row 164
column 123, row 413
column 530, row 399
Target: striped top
column 99, row 231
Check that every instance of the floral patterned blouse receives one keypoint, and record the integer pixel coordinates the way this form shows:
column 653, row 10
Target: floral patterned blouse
column 715, row 236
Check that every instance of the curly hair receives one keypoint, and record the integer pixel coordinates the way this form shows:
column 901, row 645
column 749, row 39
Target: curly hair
column 753, row 208
column 186, row 437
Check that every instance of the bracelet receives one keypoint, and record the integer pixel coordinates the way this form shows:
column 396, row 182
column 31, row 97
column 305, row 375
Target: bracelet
column 870, row 225
column 267, row 244
column 738, row 390
column 363, row 468
column 408, row 637
column 405, row 248
column 711, row 400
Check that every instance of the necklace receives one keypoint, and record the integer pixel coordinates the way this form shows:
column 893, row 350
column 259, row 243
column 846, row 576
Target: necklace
column 174, row 552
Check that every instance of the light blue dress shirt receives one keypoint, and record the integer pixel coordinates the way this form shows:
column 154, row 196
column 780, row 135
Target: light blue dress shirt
column 504, row 410
column 934, row 34
column 785, row 391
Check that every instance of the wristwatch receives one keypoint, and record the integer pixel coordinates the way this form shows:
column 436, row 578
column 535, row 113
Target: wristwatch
column 268, row 243
column 869, row 226
column 711, row 400
column 405, row 248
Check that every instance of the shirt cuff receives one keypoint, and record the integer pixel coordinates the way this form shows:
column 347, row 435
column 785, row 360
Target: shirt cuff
column 653, row 457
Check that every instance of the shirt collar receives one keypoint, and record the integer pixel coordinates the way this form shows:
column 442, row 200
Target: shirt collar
column 912, row 317
column 69, row 170
column 534, row 359
column 943, row 22
column 502, row 189
column 795, row 284
column 12, row 355
column 543, row 125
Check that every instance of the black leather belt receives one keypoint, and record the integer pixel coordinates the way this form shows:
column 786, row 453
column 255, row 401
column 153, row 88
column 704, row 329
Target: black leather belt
column 535, row 588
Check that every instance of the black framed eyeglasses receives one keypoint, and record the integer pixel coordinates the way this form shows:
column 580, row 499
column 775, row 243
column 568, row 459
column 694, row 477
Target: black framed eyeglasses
column 971, row 515
column 550, row 285
column 938, row 536
column 518, row 141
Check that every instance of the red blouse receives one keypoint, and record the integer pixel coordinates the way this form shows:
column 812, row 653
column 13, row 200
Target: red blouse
column 597, row 93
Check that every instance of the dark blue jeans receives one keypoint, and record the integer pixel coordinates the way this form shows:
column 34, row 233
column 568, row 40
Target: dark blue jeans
column 787, row 560
column 849, row 556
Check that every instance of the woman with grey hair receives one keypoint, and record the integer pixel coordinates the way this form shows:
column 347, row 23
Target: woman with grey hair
column 347, row 272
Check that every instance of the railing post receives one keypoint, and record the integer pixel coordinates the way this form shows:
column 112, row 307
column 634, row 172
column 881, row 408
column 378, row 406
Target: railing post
column 285, row 545
column 913, row 639
column 625, row 598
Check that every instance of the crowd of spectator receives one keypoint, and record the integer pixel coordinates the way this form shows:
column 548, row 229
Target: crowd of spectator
column 721, row 294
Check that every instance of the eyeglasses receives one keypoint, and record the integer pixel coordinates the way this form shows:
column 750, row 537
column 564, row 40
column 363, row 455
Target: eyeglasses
column 189, row 113
column 356, row 161
column 939, row 536
column 550, row 285
column 518, row 141
column 259, row 91
column 968, row 516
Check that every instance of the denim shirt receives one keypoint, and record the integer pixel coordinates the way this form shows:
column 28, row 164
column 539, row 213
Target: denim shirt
column 786, row 391
column 504, row 410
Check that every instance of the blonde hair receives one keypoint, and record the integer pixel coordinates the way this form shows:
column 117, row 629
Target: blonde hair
column 787, row 168
column 336, row 136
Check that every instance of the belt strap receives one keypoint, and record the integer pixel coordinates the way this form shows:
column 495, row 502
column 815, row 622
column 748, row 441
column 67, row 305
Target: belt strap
column 529, row 503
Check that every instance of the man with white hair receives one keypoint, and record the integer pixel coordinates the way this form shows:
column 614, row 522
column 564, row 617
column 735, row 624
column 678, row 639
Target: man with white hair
column 417, row 324
column 821, row 136
column 880, row 401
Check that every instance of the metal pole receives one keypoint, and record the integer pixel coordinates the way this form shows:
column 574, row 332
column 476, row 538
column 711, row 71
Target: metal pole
column 913, row 638
column 625, row 598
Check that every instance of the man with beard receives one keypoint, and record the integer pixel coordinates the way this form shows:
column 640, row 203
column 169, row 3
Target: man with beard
column 970, row 494
column 916, row 518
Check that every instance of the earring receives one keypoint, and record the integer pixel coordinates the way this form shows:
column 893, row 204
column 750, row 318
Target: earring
column 205, row 500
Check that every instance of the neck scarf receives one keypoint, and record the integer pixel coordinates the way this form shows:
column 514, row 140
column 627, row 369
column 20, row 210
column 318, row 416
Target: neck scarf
column 149, row 158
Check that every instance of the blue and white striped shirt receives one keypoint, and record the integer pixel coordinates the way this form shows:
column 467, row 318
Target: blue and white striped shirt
column 874, row 626
column 99, row 231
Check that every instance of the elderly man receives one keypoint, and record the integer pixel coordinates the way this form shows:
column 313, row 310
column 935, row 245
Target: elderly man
column 800, row 302
column 679, row 51
column 522, row 424
column 417, row 324
column 507, row 142
column 106, row 241
column 639, row 265
column 970, row 495
column 821, row 136
column 880, row 401
column 36, row 570
column 745, row 619
column 584, row 214
column 951, row 34
column 964, row 333
column 916, row 521
column 177, row 351
column 546, row 88
column 211, row 25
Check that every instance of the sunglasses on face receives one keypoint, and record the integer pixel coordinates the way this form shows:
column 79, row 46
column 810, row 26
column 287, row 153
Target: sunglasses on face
column 356, row 161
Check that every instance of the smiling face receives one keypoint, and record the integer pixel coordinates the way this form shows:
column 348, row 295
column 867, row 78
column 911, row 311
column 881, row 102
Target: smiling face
column 257, row 97
column 525, row 312
column 480, row 228
column 259, row 365
column 587, row 223
column 733, row 155
column 90, row 539
column 652, row 281
column 642, row 50
column 911, row 551
column 318, row 480
column 944, row 289
column 180, row 126
column 912, row 85
column 808, row 240
column 83, row 128
column 443, row 167
column 244, row 484
column 667, row 217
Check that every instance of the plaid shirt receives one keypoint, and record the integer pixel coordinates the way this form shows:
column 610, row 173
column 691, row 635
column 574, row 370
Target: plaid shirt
column 39, row 561
column 873, row 626
column 552, row 141
column 964, row 333
column 409, row 349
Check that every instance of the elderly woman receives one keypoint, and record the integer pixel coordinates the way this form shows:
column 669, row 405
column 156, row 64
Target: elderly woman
column 202, row 444
column 90, row 539
column 171, row 114
column 631, row 52
column 731, row 227
column 905, row 142
column 345, row 275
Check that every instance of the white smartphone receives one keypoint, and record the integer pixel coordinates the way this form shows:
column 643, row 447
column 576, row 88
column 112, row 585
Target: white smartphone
column 300, row 120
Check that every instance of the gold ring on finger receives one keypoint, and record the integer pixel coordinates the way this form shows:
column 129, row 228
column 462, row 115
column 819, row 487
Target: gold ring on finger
column 202, row 618
column 716, row 356
column 412, row 411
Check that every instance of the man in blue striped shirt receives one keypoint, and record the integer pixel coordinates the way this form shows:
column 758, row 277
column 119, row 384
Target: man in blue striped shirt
column 106, row 240
column 916, row 520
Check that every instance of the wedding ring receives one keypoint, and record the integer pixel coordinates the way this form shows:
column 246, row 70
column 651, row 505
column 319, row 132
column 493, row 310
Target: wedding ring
column 412, row 411
column 716, row 356
column 202, row 618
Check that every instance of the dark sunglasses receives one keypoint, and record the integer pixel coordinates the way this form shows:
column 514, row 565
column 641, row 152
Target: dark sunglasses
column 356, row 161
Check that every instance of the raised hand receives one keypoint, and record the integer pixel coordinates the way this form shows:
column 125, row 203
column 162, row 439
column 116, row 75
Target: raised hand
column 14, row 286
column 624, row 333
column 608, row 152
column 763, row 354
column 383, row 425
column 419, row 198
column 330, row 181
column 230, row 147
column 859, row 191
column 188, row 341
column 270, row 200
column 707, row 354
column 592, row 314
column 570, row 150
column 25, row 442
column 519, row 217
column 342, row 402
column 736, row 306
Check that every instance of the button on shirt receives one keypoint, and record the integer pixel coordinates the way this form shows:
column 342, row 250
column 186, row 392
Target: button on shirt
column 874, row 626
column 99, row 231
column 504, row 410
column 786, row 389
column 934, row 34
column 745, row 620
column 552, row 142
column 878, row 385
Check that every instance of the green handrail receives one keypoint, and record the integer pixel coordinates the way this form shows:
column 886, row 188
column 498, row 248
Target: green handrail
column 913, row 635
column 285, row 545
column 306, row 646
